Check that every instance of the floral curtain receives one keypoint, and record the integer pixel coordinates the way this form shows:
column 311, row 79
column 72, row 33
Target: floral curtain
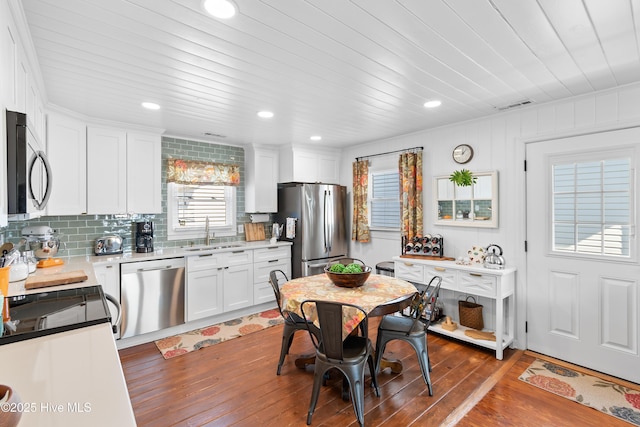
column 410, row 168
column 197, row 172
column 360, row 229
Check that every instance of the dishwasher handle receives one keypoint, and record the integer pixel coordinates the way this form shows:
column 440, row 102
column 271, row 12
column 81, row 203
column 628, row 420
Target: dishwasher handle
column 166, row 267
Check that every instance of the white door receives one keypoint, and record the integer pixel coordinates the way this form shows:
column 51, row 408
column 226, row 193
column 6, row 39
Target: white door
column 582, row 251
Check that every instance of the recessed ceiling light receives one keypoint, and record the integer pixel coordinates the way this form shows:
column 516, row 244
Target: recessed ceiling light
column 265, row 114
column 223, row 9
column 433, row 103
column 316, row 138
column 151, row 105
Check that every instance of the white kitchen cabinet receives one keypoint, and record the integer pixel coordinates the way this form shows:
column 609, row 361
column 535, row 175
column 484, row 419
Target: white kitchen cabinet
column 123, row 171
column 261, row 179
column 67, row 145
column 305, row 165
column 237, row 279
column 108, row 276
column 144, row 173
column 204, row 290
column 106, row 171
column 218, row 282
column 494, row 289
column 264, row 261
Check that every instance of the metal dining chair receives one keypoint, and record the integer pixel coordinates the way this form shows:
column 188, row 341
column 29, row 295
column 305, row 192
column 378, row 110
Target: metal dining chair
column 292, row 322
column 349, row 356
column 412, row 329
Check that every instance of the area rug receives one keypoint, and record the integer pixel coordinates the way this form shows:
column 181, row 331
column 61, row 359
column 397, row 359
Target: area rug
column 605, row 396
column 211, row 335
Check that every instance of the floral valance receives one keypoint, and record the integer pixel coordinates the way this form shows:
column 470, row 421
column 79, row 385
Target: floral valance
column 198, row 172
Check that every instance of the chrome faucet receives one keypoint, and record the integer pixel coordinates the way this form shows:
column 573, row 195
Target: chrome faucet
column 207, row 237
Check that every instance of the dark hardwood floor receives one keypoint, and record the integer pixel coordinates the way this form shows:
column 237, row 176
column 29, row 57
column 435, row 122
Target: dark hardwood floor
column 235, row 383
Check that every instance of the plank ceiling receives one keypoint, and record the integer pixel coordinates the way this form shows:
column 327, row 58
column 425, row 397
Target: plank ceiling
column 351, row 71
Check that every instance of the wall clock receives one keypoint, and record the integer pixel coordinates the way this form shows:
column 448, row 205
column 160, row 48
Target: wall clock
column 463, row 153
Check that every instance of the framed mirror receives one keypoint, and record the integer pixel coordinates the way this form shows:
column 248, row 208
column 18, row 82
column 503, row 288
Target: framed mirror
column 472, row 206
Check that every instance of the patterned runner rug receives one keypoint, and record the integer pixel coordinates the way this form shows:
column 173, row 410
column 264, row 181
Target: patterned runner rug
column 210, row 335
column 611, row 398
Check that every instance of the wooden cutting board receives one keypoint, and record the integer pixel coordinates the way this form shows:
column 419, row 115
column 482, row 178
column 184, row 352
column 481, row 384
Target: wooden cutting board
column 34, row 282
column 254, row 231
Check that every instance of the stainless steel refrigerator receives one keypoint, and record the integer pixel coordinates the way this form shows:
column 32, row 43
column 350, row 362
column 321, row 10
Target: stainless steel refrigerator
column 316, row 213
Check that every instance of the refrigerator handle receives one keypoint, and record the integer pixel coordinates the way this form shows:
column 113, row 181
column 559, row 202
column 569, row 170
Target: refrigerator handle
column 325, row 222
column 331, row 216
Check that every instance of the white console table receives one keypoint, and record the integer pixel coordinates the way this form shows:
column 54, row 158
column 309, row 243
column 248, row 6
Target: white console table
column 494, row 289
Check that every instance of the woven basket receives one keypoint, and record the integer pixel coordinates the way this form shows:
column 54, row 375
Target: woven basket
column 470, row 314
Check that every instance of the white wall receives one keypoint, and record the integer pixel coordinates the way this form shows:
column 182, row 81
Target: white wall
column 498, row 142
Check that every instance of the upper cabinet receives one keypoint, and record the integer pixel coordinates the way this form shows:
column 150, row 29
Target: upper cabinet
column 309, row 165
column 114, row 171
column 66, row 146
column 144, row 173
column 261, row 183
column 106, row 171
column 472, row 206
column 123, row 171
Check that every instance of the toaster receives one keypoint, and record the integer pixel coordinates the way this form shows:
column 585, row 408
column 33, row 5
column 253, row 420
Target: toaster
column 108, row 245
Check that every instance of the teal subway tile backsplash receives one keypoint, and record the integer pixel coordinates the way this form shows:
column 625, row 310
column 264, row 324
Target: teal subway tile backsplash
column 78, row 233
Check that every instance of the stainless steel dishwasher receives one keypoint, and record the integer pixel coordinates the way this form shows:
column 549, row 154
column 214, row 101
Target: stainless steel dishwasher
column 152, row 295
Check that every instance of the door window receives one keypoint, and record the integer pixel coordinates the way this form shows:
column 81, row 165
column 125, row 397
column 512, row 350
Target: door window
column 593, row 203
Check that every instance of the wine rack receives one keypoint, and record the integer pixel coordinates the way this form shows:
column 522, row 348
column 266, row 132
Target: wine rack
column 427, row 245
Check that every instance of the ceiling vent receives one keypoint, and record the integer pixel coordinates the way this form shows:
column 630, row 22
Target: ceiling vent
column 516, row 104
column 215, row 135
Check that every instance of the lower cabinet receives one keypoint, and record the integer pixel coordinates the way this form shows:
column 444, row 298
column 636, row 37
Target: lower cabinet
column 219, row 282
column 204, row 287
column 265, row 261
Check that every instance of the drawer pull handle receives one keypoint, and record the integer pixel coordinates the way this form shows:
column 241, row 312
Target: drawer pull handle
column 408, row 264
column 204, row 255
column 475, row 274
column 439, row 269
column 272, row 260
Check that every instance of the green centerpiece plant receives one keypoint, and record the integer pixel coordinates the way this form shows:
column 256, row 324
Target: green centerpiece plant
column 463, row 178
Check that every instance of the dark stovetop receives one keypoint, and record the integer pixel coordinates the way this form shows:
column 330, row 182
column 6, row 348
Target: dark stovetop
column 45, row 313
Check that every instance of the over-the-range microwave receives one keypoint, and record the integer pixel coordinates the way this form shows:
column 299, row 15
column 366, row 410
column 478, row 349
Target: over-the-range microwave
column 28, row 170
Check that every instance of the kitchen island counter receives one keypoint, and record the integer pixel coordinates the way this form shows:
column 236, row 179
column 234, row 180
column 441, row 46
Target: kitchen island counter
column 68, row 379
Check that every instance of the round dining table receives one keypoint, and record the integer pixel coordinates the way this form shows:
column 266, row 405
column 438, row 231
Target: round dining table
column 378, row 296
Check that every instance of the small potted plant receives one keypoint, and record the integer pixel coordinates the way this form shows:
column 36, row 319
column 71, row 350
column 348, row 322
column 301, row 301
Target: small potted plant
column 463, row 178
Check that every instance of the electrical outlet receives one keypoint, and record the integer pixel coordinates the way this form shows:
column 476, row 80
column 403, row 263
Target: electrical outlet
column 240, row 228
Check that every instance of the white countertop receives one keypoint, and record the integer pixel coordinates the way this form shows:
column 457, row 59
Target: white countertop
column 161, row 253
column 86, row 263
column 70, row 264
column 68, row 379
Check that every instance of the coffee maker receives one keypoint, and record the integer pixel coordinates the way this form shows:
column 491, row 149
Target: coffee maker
column 144, row 236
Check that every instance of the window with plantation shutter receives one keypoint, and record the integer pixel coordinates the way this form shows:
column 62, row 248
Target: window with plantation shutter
column 593, row 202
column 384, row 200
column 191, row 204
